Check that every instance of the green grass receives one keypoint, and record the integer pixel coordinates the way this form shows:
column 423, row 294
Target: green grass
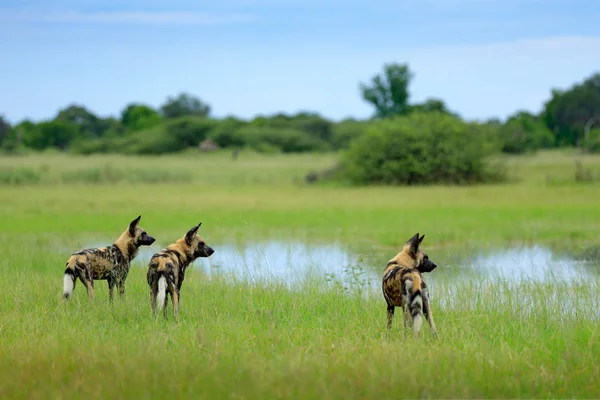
column 498, row 339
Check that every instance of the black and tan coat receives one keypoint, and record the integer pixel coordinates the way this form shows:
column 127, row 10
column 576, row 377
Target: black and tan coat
column 166, row 270
column 403, row 285
column 110, row 263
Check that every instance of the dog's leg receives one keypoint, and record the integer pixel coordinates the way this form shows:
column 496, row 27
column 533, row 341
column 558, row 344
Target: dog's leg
column 406, row 318
column 390, row 316
column 85, row 276
column 90, row 289
column 111, row 289
column 175, row 301
column 166, row 302
column 121, row 286
column 153, row 300
column 427, row 312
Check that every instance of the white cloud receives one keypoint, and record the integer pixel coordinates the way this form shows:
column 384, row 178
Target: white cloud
column 139, row 17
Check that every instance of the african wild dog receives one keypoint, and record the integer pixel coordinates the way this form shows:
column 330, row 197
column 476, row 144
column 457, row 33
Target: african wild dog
column 166, row 270
column 106, row 263
column 403, row 286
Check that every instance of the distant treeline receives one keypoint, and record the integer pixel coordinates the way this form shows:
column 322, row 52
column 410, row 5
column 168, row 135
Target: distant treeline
column 568, row 119
column 401, row 143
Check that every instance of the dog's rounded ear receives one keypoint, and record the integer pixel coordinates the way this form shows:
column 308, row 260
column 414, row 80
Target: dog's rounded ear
column 189, row 236
column 133, row 225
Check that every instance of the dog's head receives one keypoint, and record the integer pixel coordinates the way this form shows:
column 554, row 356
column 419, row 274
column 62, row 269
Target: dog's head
column 195, row 245
column 137, row 235
column 418, row 256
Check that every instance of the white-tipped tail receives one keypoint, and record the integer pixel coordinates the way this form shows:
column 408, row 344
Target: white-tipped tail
column 162, row 292
column 416, row 309
column 417, row 323
column 68, row 285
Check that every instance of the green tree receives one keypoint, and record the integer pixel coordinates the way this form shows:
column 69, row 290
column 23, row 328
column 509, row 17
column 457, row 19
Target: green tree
column 568, row 112
column 524, row 132
column 388, row 92
column 136, row 117
column 55, row 133
column 87, row 123
column 183, row 105
column 431, row 105
column 225, row 133
column 5, row 130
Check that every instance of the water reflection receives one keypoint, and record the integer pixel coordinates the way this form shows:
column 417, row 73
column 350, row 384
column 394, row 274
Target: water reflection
column 292, row 261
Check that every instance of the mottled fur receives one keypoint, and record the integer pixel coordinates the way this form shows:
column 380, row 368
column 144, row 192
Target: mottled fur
column 403, row 285
column 106, row 263
column 166, row 270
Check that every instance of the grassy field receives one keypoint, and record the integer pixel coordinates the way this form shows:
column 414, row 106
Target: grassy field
column 498, row 338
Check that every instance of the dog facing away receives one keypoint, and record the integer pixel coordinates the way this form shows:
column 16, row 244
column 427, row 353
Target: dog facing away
column 110, row 263
column 166, row 270
column 403, row 286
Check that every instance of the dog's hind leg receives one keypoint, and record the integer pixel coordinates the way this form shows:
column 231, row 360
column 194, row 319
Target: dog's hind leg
column 153, row 301
column 165, row 303
column 175, row 301
column 86, row 278
column 390, row 316
column 121, row 286
column 111, row 289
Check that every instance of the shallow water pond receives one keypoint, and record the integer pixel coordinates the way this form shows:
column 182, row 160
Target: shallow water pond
column 291, row 261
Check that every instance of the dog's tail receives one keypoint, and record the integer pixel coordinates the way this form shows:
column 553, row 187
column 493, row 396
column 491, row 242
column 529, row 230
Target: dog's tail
column 413, row 287
column 69, row 279
column 162, row 292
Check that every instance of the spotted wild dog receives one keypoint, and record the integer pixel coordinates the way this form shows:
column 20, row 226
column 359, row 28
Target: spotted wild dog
column 166, row 270
column 403, row 286
column 106, row 263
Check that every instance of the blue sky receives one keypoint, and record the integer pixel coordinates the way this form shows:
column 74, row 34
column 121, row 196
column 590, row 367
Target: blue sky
column 485, row 58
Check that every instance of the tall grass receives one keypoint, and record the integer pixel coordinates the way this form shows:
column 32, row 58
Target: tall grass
column 264, row 340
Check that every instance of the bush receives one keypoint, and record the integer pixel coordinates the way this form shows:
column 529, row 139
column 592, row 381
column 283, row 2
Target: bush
column 345, row 131
column 592, row 144
column 173, row 136
column 524, row 133
column 225, row 133
column 421, row 148
column 286, row 139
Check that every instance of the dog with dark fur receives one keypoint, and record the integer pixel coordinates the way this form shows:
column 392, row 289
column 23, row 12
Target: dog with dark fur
column 110, row 263
column 166, row 270
column 403, row 286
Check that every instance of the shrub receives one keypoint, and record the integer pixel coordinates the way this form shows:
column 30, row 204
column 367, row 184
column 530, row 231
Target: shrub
column 286, row 139
column 524, row 133
column 421, row 148
column 592, row 144
column 225, row 133
column 345, row 131
column 172, row 136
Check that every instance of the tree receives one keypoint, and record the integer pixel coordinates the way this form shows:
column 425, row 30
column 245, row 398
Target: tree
column 432, row 105
column 136, row 117
column 523, row 132
column 88, row 123
column 388, row 92
column 568, row 112
column 184, row 104
column 5, row 129
column 56, row 133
